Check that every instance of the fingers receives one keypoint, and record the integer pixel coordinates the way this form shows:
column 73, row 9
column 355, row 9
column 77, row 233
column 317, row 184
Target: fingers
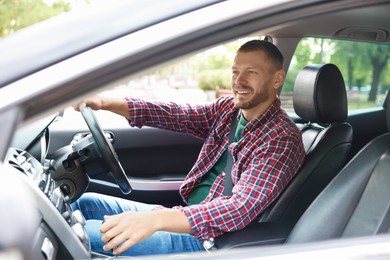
column 114, row 243
column 124, row 246
column 77, row 107
column 122, row 242
column 111, row 234
column 124, row 230
column 95, row 103
column 114, row 233
column 108, row 228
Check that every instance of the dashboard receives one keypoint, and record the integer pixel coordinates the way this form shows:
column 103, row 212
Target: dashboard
column 54, row 181
column 61, row 233
column 58, row 231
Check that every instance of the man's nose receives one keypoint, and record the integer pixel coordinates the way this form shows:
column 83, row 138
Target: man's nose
column 240, row 79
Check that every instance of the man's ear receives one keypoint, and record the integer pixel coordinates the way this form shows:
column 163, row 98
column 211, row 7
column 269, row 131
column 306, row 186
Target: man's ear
column 279, row 77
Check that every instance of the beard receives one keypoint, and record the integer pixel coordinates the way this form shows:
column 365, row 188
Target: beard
column 256, row 100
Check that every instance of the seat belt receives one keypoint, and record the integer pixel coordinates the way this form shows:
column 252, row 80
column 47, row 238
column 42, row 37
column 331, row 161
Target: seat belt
column 227, row 190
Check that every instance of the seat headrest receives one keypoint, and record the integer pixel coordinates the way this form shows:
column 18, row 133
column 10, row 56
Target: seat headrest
column 320, row 95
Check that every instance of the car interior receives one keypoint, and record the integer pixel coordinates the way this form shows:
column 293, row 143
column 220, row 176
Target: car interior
column 340, row 192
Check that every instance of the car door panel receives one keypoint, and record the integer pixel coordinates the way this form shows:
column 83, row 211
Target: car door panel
column 153, row 153
column 148, row 155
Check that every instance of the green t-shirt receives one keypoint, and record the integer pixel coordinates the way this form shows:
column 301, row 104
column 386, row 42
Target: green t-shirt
column 202, row 189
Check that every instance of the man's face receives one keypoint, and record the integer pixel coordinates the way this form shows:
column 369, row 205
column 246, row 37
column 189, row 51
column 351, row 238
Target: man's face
column 252, row 77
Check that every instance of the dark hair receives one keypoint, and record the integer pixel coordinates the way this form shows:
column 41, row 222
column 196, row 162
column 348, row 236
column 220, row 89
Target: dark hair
column 270, row 50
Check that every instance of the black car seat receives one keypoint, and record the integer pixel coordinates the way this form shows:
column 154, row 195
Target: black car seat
column 320, row 101
column 357, row 201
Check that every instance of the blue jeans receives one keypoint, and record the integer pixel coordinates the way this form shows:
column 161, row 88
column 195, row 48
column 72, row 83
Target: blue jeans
column 94, row 206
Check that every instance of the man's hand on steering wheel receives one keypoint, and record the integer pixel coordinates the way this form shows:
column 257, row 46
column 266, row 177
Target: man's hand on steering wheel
column 96, row 103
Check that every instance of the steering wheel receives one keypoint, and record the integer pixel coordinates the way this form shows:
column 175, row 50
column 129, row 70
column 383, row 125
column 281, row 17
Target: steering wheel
column 106, row 149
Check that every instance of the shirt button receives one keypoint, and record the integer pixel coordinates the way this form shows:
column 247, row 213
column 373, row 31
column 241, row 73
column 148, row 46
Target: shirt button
column 223, row 174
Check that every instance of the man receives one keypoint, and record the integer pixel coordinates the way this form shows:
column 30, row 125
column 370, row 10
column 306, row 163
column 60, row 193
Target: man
column 267, row 153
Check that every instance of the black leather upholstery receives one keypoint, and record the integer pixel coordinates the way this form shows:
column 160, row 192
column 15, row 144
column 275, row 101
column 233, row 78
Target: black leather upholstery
column 356, row 202
column 327, row 100
column 319, row 97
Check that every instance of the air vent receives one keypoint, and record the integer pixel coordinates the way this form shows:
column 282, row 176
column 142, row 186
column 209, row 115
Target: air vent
column 21, row 161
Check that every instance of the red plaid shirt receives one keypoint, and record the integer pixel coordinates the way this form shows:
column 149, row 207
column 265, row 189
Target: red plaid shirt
column 265, row 159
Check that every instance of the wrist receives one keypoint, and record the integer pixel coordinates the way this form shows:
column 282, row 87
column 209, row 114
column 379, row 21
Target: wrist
column 171, row 221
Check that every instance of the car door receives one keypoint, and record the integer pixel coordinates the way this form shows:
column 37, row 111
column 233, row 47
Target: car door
column 155, row 160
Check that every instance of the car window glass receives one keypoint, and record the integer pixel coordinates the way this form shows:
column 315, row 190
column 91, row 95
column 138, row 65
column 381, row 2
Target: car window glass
column 364, row 67
column 205, row 76
column 199, row 78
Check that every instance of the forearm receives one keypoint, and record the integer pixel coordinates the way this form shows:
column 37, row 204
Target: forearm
column 171, row 221
column 196, row 120
column 117, row 106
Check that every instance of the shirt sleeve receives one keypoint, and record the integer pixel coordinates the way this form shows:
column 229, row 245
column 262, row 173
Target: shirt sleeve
column 271, row 167
column 196, row 120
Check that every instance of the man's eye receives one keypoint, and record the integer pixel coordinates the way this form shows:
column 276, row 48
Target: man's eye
column 252, row 72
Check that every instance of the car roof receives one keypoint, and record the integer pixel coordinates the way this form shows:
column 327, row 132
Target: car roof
column 64, row 36
column 61, row 37
column 366, row 21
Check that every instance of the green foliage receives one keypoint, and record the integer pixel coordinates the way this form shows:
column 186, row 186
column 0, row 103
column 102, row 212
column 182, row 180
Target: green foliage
column 17, row 14
column 362, row 64
column 214, row 79
column 288, row 85
column 213, row 66
column 215, row 62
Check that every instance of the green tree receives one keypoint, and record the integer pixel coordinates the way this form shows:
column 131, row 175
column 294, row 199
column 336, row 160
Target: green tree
column 357, row 61
column 361, row 61
column 305, row 54
column 378, row 57
column 212, row 68
column 17, row 14
column 350, row 58
column 385, row 80
column 214, row 79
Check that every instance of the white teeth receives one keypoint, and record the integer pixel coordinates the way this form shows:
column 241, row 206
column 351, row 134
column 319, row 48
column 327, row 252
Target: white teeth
column 243, row 92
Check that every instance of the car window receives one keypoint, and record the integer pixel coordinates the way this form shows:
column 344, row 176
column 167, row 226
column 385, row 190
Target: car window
column 363, row 65
column 199, row 78
column 205, row 76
